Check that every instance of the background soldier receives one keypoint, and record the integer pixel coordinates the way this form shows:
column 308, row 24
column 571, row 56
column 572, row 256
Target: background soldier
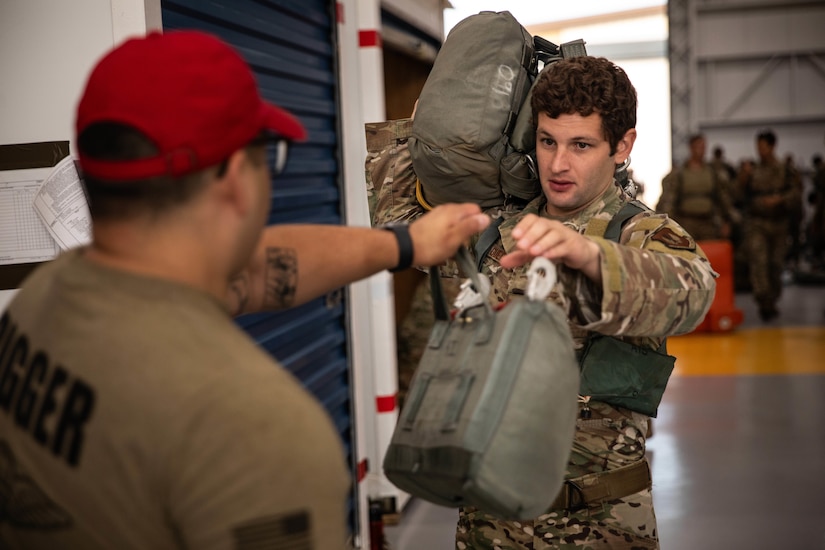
column 721, row 165
column 696, row 195
column 770, row 196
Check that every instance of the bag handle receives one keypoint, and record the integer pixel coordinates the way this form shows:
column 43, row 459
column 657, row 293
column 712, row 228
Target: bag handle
column 466, row 263
column 545, row 46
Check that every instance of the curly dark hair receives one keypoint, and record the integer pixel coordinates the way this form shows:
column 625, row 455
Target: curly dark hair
column 585, row 85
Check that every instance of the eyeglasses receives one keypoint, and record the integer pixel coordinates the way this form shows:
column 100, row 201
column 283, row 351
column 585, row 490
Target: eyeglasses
column 277, row 152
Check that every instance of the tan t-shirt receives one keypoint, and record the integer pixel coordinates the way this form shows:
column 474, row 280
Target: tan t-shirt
column 134, row 413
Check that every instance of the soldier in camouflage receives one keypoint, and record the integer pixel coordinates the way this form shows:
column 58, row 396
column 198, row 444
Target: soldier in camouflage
column 653, row 283
column 770, row 195
column 696, row 195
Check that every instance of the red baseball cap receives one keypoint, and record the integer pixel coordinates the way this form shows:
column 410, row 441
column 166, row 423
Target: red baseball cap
column 188, row 92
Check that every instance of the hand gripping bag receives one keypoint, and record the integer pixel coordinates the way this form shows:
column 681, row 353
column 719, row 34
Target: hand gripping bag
column 472, row 134
column 490, row 414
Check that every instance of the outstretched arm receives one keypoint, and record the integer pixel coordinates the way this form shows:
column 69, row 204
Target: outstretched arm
column 658, row 277
column 293, row 264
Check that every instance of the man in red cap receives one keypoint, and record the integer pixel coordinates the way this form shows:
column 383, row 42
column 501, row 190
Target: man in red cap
column 135, row 413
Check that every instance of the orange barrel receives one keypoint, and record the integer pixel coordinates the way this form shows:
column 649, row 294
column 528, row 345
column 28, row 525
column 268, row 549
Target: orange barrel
column 723, row 315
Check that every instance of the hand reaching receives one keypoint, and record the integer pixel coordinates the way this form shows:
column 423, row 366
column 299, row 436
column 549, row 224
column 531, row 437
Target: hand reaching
column 536, row 236
column 437, row 235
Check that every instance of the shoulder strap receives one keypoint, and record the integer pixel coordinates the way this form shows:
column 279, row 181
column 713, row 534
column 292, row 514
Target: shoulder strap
column 614, row 231
column 440, row 307
column 628, row 210
column 486, row 241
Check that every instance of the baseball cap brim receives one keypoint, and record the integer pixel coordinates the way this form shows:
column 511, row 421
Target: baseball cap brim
column 282, row 123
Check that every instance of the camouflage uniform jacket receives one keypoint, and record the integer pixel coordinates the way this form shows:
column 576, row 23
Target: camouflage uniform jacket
column 770, row 179
column 656, row 281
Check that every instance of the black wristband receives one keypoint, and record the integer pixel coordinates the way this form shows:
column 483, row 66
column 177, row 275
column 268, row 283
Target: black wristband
column 405, row 245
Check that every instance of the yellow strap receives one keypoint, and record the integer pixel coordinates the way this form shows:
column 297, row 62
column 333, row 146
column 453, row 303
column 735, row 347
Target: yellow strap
column 419, row 195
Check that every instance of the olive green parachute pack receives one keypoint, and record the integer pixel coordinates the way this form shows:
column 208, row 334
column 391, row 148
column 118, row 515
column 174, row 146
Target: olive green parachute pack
column 472, row 134
column 490, row 415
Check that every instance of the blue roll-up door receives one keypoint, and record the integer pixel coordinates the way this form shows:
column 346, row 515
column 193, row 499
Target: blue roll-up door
column 290, row 44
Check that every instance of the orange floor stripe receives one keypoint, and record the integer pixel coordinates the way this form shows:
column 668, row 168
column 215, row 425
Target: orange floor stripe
column 788, row 350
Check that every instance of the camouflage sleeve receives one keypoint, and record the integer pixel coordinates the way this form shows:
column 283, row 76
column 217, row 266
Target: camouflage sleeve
column 667, row 200
column 389, row 172
column 656, row 283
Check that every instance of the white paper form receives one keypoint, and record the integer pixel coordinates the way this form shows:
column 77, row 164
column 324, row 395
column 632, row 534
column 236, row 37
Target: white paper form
column 23, row 237
column 61, row 204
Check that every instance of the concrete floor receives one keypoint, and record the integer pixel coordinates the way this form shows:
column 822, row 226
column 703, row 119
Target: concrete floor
column 738, row 450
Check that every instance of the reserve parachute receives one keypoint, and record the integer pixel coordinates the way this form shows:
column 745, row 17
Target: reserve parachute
column 472, row 135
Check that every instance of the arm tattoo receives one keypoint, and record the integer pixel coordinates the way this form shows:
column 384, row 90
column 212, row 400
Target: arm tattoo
column 281, row 278
column 239, row 293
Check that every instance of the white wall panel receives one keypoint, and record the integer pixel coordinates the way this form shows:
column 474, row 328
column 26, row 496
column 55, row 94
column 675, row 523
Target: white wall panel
column 47, row 48
column 753, row 65
column 759, row 32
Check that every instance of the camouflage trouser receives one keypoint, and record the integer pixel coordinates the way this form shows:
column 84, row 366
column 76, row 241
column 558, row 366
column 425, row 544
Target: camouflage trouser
column 622, row 523
column 611, row 439
column 766, row 242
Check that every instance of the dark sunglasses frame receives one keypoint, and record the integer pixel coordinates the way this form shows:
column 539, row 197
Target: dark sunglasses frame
column 277, row 152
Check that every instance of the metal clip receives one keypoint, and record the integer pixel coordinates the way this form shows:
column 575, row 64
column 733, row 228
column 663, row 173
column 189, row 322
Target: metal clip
column 622, row 177
column 541, row 277
column 531, row 165
column 469, row 296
